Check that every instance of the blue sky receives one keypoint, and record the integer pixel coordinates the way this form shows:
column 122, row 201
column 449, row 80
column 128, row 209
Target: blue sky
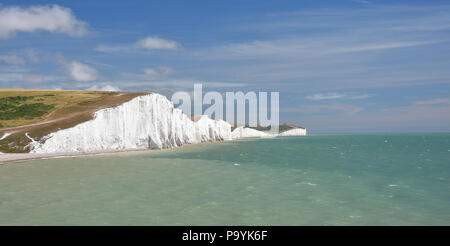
column 339, row 65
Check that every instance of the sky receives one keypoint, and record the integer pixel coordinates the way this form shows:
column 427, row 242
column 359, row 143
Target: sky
column 339, row 66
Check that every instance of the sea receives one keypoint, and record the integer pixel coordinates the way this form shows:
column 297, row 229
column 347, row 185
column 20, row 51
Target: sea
column 342, row 179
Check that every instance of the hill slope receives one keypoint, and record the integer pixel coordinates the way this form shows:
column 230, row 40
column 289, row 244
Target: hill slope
column 37, row 113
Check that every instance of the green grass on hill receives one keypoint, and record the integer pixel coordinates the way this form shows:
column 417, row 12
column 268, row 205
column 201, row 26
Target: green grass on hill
column 22, row 107
column 16, row 107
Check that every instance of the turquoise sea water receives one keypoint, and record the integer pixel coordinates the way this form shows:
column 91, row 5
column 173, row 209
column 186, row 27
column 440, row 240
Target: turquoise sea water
column 314, row 180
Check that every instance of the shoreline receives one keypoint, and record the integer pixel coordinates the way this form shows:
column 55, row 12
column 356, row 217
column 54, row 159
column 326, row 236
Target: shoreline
column 6, row 158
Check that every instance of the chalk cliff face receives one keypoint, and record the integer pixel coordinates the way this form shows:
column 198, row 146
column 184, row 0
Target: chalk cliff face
column 244, row 132
column 145, row 122
column 294, row 132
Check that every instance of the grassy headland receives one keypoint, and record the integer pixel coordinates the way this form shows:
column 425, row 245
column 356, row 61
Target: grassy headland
column 40, row 112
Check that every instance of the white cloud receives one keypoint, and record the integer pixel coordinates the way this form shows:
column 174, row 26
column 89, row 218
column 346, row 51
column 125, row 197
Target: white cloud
column 21, row 59
column 12, row 59
column 326, row 96
column 361, row 1
column 77, row 70
column 335, row 95
column 82, row 72
column 340, row 54
column 383, row 46
column 433, row 101
column 149, row 43
column 155, row 43
column 53, row 18
column 103, row 88
column 152, row 72
column 303, row 48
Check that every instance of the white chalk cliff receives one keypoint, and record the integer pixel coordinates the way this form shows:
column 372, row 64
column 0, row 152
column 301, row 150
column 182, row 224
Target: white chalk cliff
column 294, row 132
column 244, row 132
column 145, row 122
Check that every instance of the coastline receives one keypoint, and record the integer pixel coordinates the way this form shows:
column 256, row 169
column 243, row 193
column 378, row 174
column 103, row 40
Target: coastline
column 108, row 125
column 6, row 158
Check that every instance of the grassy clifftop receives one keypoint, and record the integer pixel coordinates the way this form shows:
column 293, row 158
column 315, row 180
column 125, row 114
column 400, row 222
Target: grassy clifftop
column 40, row 112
